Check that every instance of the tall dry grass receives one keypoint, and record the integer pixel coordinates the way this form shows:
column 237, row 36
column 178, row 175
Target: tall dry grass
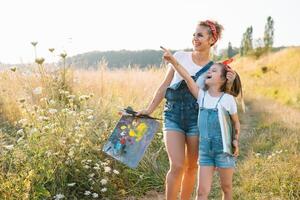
column 51, row 139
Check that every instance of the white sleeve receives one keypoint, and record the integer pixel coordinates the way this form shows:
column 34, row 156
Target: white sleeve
column 232, row 105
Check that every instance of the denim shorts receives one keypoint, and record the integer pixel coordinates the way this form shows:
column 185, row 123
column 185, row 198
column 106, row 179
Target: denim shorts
column 181, row 110
column 211, row 154
column 181, row 117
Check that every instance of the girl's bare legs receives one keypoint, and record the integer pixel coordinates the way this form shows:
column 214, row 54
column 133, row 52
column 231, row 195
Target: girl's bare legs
column 226, row 182
column 190, row 169
column 175, row 145
column 205, row 178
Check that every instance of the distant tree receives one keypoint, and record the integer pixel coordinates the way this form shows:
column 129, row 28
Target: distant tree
column 269, row 34
column 230, row 51
column 246, row 43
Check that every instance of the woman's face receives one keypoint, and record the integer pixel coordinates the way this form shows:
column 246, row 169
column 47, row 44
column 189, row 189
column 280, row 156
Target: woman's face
column 214, row 76
column 201, row 39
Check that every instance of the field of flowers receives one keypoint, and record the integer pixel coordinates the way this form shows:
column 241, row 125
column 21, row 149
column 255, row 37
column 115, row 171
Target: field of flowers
column 54, row 121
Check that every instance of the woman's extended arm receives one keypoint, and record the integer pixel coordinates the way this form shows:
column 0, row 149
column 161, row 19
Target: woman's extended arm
column 193, row 87
column 159, row 93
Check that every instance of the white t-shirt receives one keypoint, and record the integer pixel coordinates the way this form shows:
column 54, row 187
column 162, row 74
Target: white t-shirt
column 185, row 59
column 227, row 101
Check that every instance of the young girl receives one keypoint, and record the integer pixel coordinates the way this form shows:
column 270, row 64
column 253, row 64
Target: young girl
column 211, row 153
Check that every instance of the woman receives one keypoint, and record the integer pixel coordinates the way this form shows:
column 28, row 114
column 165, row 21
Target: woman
column 181, row 110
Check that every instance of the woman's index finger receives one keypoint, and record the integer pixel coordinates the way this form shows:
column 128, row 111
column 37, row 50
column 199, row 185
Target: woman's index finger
column 164, row 49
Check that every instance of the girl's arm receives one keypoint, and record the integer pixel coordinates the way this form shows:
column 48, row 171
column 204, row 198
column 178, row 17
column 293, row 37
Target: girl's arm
column 236, row 126
column 193, row 87
column 159, row 93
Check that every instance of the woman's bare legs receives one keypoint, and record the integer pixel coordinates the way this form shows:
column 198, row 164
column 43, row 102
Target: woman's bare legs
column 205, row 178
column 175, row 145
column 191, row 166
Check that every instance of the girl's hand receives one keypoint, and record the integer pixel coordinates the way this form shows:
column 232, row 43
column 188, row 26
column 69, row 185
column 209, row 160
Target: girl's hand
column 235, row 144
column 143, row 112
column 168, row 56
column 231, row 74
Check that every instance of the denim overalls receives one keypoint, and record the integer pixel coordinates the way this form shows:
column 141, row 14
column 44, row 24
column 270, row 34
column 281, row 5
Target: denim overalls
column 181, row 108
column 211, row 145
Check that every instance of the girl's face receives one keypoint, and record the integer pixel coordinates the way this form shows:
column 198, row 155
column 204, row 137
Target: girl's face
column 214, row 76
column 201, row 39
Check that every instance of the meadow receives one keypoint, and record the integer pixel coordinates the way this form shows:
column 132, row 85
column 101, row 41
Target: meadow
column 53, row 123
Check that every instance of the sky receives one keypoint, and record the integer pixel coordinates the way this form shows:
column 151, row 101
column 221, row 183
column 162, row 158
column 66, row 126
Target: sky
column 81, row 26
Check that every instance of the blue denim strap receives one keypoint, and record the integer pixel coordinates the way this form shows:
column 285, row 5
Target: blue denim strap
column 203, row 69
column 219, row 100
column 195, row 77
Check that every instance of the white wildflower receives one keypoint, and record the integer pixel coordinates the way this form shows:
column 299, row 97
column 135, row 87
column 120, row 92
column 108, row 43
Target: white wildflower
column 107, row 169
column 96, row 166
column 9, row 147
column 20, row 132
column 87, row 193
column 33, row 130
column 90, row 117
column 89, row 111
column 95, row 195
column 273, row 154
column 86, row 166
column 103, row 163
column 71, row 184
column 103, row 181
column 71, row 153
column 84, row 97
column 51, row 102
column 52, row 111
column 59, row 196
column 116, row 171
column 103, row 189
column 37, row 90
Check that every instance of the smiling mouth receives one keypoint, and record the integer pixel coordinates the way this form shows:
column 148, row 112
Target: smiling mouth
column 208, row 76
